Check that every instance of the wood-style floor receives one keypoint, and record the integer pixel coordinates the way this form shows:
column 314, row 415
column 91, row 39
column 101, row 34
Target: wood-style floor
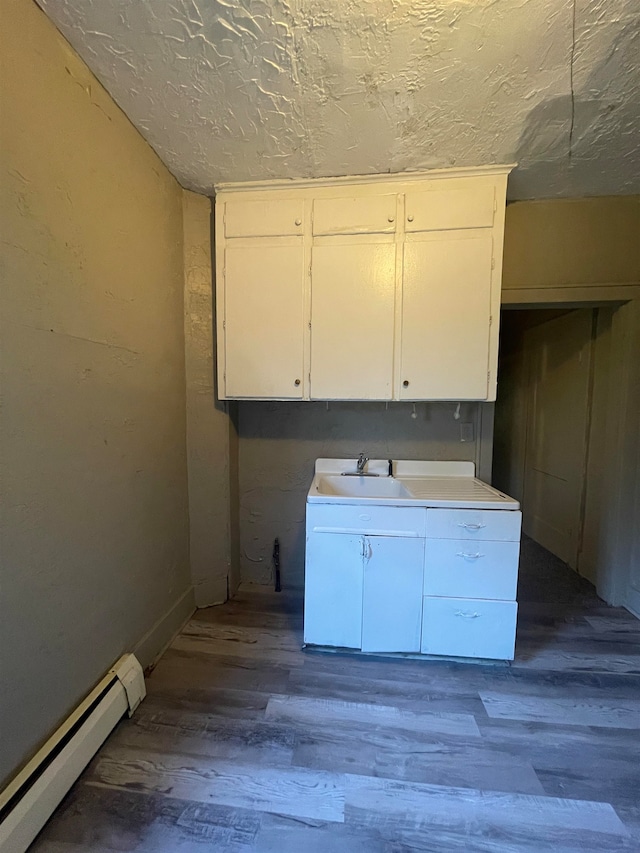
column 246, row 743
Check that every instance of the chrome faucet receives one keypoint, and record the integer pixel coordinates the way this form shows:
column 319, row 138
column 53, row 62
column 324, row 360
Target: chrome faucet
column 360, row 472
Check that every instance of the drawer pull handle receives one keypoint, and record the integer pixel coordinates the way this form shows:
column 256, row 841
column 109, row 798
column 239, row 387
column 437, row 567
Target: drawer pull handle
column 468, row 525
column 469, row 556
column 467, row 615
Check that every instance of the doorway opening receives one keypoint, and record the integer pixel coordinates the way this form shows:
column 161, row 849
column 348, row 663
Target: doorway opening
column 561, row 437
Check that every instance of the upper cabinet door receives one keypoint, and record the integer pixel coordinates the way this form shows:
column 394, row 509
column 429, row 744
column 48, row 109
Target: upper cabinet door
column 362, row 215
column 352, row 319
column 264, row 320
column 446, row 312
column 269, row 218
column 442, row 207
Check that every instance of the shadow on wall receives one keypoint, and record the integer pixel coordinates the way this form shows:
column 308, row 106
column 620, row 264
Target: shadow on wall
column 278, row 446
column 569, row 142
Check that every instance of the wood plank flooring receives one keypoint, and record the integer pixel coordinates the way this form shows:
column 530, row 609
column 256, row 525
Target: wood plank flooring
column 245, row 743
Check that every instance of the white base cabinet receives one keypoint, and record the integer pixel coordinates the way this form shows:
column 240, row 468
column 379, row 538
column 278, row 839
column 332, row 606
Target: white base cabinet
column 413, row 580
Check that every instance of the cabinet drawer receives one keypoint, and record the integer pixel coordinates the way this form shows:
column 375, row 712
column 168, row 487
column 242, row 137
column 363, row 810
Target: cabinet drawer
column 496, row 524
column 372, row 521
column 272, row 218
column 458, row 567
column 468, row 628
column 442, row 209
column 370, row 214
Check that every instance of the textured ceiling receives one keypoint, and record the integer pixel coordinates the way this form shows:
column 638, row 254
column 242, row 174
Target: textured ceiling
column 233, row 90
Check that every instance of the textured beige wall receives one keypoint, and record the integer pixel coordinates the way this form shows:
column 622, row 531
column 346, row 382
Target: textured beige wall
column 279, row 443
column 572, row 243
column 94, row 507
column 210, row 431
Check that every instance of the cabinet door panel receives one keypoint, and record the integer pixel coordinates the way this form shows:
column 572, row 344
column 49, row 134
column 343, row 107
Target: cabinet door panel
column 264, row 321
column 446, row 317
column 352, row 305
column 333, row 590
column 269, row 218
column 392, row 598
column 443, row 209
column 368, row 214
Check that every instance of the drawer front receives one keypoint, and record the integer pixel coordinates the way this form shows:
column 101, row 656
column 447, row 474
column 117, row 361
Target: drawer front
column 371, row 214
column 469, row 628
column 496, row 524
column 444, row 209
column 372, row 521
column 277, row 217
column 464, row 569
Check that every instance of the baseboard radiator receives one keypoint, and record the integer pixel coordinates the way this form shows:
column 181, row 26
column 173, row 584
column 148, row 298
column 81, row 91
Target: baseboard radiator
column 30, row 799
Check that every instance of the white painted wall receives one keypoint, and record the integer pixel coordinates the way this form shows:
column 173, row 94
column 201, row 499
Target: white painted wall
column 94, row 526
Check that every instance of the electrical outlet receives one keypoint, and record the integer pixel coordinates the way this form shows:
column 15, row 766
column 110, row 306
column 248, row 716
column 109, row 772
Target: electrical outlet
column 466, row 432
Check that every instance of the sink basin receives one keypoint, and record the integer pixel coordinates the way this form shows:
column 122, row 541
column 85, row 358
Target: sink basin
column 362, row 487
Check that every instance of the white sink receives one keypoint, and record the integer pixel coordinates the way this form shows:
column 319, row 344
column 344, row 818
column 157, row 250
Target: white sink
column 362, row 487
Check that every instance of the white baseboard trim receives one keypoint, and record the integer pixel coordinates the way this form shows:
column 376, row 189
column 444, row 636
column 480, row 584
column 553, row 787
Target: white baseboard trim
column 160, row 636
column 32, row 796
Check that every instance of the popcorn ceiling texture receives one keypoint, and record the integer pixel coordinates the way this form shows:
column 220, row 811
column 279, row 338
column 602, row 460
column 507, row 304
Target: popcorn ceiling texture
column 235, row 90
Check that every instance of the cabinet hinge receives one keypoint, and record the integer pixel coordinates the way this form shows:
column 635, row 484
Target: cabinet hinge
column 490, row 320
column 309, row 325
column 493, row 263
column 224, row 324
column 488, row 376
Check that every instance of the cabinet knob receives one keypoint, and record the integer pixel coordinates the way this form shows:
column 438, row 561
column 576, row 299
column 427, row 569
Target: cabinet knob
column 297, row 382
column 298, row 221
column 406, row 383
column 410, row 218
column 390, row 218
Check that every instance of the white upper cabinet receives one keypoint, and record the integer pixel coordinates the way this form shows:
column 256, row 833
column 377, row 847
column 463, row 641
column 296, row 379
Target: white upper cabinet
column 263, row 321
column 377, row 288
column 462, row 203
column 446, row 316
column 352, row 300
column 359, row 215
column 264, row 218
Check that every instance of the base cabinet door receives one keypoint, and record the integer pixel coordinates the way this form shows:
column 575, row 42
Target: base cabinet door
column 467, row 627
column 333, row 590
column 391, row 609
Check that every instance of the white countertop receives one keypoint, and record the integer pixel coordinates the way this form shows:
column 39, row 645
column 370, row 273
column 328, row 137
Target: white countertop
column 429, row 484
